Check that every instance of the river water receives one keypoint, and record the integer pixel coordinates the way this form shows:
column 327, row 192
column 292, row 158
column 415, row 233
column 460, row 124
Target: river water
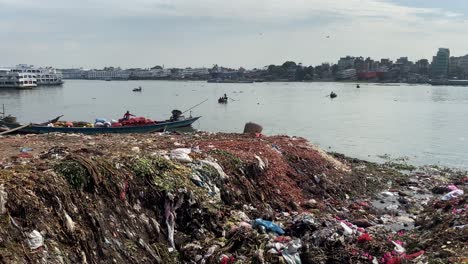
column 426, row 124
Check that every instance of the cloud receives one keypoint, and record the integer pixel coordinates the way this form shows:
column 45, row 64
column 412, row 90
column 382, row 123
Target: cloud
column 203, row 32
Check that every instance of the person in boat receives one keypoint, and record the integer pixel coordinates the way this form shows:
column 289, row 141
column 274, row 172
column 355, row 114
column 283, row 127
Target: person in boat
column 127, row 115
column 225, row 97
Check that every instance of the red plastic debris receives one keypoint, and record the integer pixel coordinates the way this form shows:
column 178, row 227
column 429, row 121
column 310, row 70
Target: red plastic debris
column 414, row 255
column 364, row 238
column 283, row 239
column 25, row 155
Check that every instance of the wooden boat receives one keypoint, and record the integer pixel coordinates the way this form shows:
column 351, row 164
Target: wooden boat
column 157, row 127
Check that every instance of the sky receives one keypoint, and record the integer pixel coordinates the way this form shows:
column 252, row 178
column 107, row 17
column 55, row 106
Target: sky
column 235, row 33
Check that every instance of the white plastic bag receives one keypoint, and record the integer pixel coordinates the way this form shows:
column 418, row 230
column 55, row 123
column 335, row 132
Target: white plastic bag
column 181, row 155
column 453, row 194
column 35, row 240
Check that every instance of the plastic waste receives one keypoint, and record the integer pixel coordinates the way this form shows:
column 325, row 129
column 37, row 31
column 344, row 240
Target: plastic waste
column 387, row 194
column 136, row 149
column 398, row 248
column 291, row 254
column 3, row 199
column 261, row 164
column 268, row 225
column 181, row 155
column 217, row 167
column 35, row 240
column 453, row 194
column 347, row 230
column 26, row 149
column 69, row 222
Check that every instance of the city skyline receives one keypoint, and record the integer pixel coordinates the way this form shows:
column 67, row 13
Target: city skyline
column 179, row 33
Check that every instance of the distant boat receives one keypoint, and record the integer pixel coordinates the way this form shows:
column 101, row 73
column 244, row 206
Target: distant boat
column 358, row 86
column 137, row 89
column 333, row 95
column 223, row 100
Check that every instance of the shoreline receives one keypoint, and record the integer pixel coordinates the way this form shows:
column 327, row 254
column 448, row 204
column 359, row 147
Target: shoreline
column 137, row 198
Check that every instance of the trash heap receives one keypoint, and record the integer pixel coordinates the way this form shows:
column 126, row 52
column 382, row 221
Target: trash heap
column 219, row 198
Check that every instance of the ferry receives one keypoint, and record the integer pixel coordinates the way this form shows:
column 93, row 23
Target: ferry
column 18, row 80
column 44, row 76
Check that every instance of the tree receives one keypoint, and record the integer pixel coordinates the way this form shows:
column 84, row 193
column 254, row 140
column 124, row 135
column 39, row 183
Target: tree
column 289, row 64
column 335, row 69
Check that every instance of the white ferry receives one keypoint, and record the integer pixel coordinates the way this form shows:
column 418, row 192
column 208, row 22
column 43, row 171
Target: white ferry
column 18, row 80
column 44, row 76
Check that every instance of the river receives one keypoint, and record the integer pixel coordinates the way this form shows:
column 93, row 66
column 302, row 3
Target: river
column 426, row 124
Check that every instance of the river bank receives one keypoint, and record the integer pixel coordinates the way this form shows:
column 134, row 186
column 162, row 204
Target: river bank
column 210, row 197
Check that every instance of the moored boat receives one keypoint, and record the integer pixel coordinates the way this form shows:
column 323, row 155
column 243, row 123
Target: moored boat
column 156, row 127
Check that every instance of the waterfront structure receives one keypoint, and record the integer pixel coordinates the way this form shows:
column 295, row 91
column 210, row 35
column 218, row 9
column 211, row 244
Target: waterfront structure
column 441, row 64
column 73, row 73
column 112, row 74
column 349, row 74
column 18, row 80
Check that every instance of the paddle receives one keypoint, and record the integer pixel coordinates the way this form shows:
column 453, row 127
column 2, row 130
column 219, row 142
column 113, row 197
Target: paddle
column 13, row 130
column 194, row 106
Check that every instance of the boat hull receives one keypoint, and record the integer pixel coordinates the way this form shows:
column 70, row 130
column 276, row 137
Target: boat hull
column 34, row 129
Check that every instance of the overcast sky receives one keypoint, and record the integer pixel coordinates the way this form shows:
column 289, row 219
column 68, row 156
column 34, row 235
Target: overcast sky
column 249, row 33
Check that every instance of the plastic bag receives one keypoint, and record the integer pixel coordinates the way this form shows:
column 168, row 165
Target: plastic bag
column 181, row 155
column 35, row 240
column 453, row 194
column 291, row 254
column 269, row 226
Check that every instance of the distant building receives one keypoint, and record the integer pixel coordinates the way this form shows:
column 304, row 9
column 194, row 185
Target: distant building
column 441, row 64
column 346, row 63
column 73, row 73
column 421, row 66
column 463, row 63
column 114, row 74
column 386, row 63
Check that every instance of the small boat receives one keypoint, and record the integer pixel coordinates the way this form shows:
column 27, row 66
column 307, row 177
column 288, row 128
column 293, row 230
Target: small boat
column 137, row 89
column 358, row 86
column 223, row 100
column 333, row 95
column 156, row 127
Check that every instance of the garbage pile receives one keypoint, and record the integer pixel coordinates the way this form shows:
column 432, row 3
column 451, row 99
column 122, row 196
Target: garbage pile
column 219, row 198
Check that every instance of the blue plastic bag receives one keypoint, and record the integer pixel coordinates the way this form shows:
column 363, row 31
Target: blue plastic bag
column 269, row 225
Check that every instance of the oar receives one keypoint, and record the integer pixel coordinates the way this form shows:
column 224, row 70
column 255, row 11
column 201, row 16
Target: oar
column 13, row 130
column 194, row 106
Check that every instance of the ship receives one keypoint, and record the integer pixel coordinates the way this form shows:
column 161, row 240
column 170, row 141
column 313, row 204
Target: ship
column 44, row 75
column 17, row 80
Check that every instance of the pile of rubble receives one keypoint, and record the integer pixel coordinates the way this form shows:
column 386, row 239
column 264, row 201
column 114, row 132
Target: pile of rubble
column 219, row 198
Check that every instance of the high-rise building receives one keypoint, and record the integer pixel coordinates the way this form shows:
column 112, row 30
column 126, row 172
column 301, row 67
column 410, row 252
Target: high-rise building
column 441, row 64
